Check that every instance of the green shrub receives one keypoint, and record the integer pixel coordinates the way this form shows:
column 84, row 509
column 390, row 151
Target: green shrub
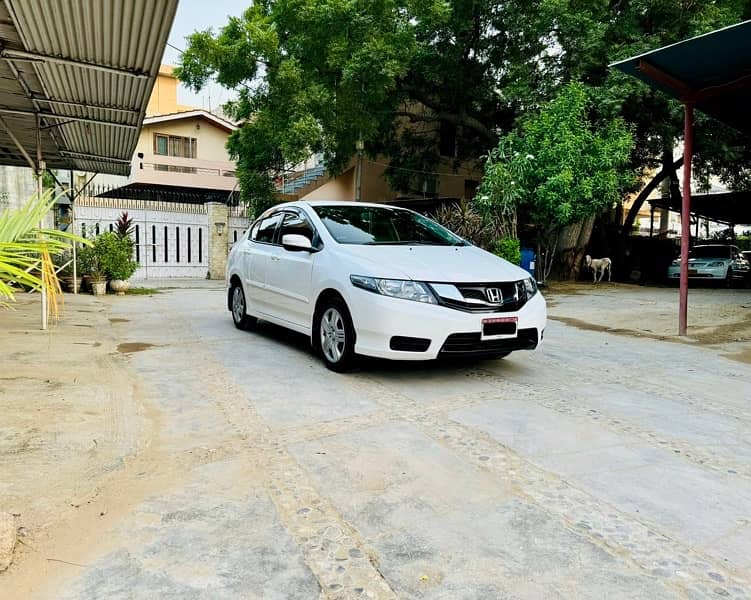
column 508, row 248
column 88, row 262
column 115, row 255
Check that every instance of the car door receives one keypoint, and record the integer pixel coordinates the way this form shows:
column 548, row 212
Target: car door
column 290, row 273
column 256, row 260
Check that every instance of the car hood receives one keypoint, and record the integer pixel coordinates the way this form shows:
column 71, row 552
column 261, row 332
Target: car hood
column 450, row 264
column 708, row 260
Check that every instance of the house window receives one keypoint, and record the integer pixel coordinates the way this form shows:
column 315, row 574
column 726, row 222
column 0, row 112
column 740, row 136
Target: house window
column 161, row 144
column 153, row 243
column 189, row 248
column 177, row 244
column 166, row 247
column 200, row 244
column 175, row 145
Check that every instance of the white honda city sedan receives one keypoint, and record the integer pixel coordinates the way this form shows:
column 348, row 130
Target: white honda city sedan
column 376, row 280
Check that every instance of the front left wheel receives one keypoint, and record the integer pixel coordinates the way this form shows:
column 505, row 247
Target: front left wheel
column 336, row 336
column 240, row 317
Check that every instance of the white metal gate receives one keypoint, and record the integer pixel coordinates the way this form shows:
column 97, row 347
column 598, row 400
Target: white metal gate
column 171, row 239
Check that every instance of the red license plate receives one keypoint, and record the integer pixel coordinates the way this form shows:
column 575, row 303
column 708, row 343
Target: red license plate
column 505, row 326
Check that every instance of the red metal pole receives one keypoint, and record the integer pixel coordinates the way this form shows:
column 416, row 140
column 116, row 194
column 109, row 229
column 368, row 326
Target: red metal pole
column 688, row 149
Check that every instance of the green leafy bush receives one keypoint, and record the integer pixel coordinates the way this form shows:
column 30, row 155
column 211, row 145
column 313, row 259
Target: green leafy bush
column 88, row 263
column 115, row 255
column 509, row 249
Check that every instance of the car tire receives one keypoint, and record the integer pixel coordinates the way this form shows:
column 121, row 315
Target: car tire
column 729, row 278
column 335, row 335
column 240, row 317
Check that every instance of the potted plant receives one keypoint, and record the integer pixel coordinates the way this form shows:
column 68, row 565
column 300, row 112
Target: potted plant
column 115, row 254
column 91, row 267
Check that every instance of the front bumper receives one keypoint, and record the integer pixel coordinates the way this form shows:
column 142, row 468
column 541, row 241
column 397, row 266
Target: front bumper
column 444, row 330
column 700, row 273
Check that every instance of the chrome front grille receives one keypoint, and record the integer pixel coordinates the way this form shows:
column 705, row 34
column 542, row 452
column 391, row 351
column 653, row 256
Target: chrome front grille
column 507, row 296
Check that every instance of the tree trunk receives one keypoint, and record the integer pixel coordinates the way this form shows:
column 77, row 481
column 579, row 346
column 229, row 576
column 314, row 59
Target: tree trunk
column 668, row 170
column 581, row 245
column 572, row 243
column 567, row 241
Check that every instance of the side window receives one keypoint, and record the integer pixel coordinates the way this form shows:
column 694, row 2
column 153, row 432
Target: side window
column 297, row 224
column 254, row 230
column 267, row 228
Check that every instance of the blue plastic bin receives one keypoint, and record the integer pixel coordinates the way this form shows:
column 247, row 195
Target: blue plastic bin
column 528, row 261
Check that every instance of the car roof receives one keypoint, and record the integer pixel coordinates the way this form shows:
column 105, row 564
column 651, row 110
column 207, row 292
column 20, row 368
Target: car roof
column 314, row 203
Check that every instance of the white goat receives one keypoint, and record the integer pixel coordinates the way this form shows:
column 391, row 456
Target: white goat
column 599, row 265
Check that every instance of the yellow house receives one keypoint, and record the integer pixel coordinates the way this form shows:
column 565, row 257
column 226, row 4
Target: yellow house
column 163, row 100
column 181, row 153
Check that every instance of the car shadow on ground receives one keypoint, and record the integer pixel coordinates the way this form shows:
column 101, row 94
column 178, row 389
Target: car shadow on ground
column 299, row 342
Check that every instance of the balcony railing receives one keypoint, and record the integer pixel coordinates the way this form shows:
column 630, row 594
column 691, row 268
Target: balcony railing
column 184, row 172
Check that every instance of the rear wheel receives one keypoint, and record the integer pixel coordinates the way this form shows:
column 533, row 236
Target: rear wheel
column 240, row 317
column 336, row 336
column 729, row 278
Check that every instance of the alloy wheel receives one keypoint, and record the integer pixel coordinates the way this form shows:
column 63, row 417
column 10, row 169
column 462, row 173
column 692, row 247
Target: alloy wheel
column 238, row 305
column 333, row 335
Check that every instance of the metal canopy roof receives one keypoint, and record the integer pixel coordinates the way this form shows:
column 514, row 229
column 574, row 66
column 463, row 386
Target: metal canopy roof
column 83, row 71
column 726, row 207
column 168, row 193
column 711, row 71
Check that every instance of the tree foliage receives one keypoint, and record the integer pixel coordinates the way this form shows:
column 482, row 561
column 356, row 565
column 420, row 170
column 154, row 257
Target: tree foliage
column 559, row 166
column 317, row 75
column 424, row 82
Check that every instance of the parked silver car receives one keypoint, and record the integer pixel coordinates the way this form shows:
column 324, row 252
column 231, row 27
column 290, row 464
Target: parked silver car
column 716, row 262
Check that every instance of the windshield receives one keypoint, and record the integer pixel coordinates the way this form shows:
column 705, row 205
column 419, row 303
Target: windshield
column 710, row 252
column 383, row 225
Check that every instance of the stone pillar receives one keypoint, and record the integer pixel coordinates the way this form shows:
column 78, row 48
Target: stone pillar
column 218, row 217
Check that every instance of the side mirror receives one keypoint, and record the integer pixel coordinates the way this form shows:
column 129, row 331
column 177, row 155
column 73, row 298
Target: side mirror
column 296, row 243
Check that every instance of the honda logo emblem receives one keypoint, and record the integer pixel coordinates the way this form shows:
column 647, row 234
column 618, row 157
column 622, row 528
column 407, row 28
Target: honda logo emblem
column 495, row 296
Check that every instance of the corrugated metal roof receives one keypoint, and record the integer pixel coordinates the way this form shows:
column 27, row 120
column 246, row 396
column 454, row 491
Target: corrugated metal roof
column 89, row 66
column 713, row 71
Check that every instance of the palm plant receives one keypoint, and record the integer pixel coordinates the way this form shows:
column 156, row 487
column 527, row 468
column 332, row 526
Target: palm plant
column 26, row 251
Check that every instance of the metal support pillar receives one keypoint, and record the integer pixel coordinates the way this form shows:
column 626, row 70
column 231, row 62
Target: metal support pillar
column 651, row 220
column 39, row 173
column 688, row 148
column 71, row 192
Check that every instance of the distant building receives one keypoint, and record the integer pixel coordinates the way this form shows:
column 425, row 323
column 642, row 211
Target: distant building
column 180, row 185
column 17, row 184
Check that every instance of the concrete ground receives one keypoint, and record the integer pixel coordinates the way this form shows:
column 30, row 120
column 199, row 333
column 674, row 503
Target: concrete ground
column 601, row 466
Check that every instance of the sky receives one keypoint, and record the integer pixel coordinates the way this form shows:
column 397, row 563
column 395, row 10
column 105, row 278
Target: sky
column 197, row 15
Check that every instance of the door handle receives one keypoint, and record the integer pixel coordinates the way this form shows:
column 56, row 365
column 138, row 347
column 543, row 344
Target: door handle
column 274, row 258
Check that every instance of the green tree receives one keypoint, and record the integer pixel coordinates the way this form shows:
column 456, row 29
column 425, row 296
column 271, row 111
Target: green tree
column 317, row 75
column 559, row 167
column 588, row 36
column 424, row 82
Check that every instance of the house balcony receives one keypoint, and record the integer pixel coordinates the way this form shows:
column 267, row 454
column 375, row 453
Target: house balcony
column 153, row 169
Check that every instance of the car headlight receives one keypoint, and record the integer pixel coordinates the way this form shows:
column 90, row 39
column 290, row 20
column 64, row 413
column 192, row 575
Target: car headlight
column 395, row 288
column 717, row 263
column 676, row 262
column 530, row 286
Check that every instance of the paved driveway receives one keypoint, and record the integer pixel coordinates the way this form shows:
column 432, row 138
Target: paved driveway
column 600, row 467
